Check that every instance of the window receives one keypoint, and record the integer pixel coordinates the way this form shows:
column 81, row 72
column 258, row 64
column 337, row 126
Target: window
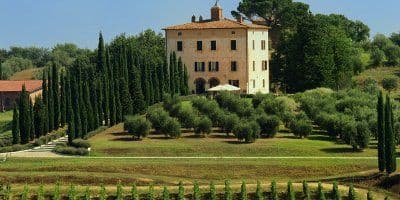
column 233, row 32
column 254, row 65
column 199, row 66
column 179, row 46
column 179, row 33
column 254, row 45
column 254, row 83
column 199, row 45
column 234, row 66
column 234, row 83
column 263, row 83
column 213, row 66
column 213, row 45
column 233, row 45
column 262, row 44
column 264, row 65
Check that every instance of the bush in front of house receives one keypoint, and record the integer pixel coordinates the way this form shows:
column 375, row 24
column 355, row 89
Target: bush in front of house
column 187, row 117
column 68, row 150
column 247, row 131
column 158, row 118
column 301, row 128
column 80, row 143
column 203, row 126
column 231, row 120
column 172, row 104
column 171, row 128
column 269, row 125
column 138, row 126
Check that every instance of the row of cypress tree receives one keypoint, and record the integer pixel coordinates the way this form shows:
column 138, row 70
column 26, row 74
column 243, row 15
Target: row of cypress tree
column 386, row 136
column 119, row 80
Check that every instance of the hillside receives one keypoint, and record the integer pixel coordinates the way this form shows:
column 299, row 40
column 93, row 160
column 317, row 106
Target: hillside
column 28, row 74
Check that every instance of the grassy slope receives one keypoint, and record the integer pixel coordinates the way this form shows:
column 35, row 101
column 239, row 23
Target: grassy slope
column 378, row 74
column 28, row 74
column 113, row 142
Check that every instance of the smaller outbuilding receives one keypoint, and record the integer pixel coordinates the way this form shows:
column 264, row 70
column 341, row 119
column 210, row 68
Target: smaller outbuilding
column 10, row 90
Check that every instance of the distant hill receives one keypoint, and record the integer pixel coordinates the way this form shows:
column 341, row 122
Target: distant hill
column 28, row 74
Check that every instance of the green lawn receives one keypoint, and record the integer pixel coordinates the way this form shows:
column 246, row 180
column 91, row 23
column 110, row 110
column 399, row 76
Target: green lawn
column 114, row 142
column 5, row 123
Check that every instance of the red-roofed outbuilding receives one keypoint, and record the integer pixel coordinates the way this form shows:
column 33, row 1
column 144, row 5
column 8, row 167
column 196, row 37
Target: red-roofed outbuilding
column 9, row 91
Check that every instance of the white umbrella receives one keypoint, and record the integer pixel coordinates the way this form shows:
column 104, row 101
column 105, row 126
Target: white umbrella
column 226, row 87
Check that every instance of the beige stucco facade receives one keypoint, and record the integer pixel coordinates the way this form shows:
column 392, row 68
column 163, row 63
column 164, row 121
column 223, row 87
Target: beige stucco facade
column 248, row 55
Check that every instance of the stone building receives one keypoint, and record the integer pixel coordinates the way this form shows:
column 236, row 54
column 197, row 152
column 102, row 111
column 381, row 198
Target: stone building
column 10, row 90
column 222, row 51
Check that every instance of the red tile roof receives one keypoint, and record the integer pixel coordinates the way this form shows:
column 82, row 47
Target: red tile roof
column 16, row 86
column 221, row 24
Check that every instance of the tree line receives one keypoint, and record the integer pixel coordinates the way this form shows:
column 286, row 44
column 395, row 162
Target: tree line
column 123, row 78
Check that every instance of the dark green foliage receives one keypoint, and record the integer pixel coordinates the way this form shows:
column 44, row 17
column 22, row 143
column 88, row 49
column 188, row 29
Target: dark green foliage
column 243, row 191
column 171, row 128
column 87, row 193
column 203, row 126
column 213, row 192
column 134, row 192
column 227, row 190
column 40, row 194
column 158, row 117
column 151, row 193
column 390, row 141
column 390, row 83
column 16, row 139
column 247, row 131
column 230, row 121
column 56, row 194
column 269, row 125
column 165, row 195
column 63, row 101
column 336, row 192
column 187, row 117
column 136, row 91
column 235, row 104
column 274, row 191
column 301, row 128
column 137, row 126
column 71, row 193
column 39, row 117
column 290, row 191
column 24, row 116
column 32, row 123
column 181, row 191
column 320, row 192
column 103, row 193
column 56, row 96
column 370, row 196
column 120, row 191
column 259, row 192
column 25, row 193
column 352, row 193
column 306, row 191
column 196, row 191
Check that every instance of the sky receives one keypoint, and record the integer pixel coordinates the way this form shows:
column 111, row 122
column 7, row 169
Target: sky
column 45, row 23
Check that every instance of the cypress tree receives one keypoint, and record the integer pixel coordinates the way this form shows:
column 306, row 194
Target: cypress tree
column 213, row 192
column 15, row 127
column 172, row 73
column 95, row 121
column 39, row 117
column 150, row 78
column 243, row 191
column 50, row 101
column 63, row 101
column 126, row 101
column 180, row 74
column 181, row 191
column 76, row 108
column 45, row 98
column 161, row 80
column 56, row 96
column 390, row 144
column 100, row 99
column 156, row 84
column 165, row 193
column 177, row 76
column 106, row 99
column 381, row 133
column 31, row 121
column 83, row 108
column 113, row 114
column 118, row 102
column 145, row 83
column 101, row 58
column 336, row 192
column 290, row 191
column 24, row 116
column 139, row 104
column 185, row 83
column 89, row 110
column 70, row 112
column 166, row 74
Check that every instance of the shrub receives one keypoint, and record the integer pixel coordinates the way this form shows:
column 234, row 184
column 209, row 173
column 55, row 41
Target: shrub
column 235, row 104
column 187, row 117
column 269, row 125
column 230, row 121
column 71, row 193
column 172, row 128
column 103, row 193
column 87, row 193
column 352, row 193
column 213, row 193
column 243, row 191
column 80, row 143
column 306, row 191
column 290, row 191
column 203, row 126
column 165, row 193
column 120, row 191
column 301, row 128
column 370, row 196
column 172, row 104
column 259, row 193
column 274, row 191
column 247, row 131
column 336, row 192
column 40, row 195
column 56, row 194
column 363, row 135
column 320, row 192
column 181, row 191
column 259, row 97
column 134, row 192
column 228, row 190
column 137, row 126
column 151, row 193
column 196, row 191
column 71, row 150
column 158, row 118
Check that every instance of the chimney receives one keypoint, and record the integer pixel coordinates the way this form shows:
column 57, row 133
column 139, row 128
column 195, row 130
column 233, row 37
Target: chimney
column 216, row 13
column 239, row 19
column 193, row 18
